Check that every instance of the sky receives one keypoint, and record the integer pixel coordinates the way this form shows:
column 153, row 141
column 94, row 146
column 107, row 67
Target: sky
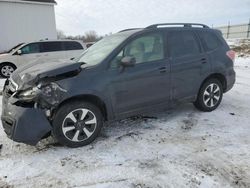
column 75, row 17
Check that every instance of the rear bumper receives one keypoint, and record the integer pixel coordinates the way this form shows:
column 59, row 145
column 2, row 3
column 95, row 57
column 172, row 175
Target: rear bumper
column 25, row 125
column 231, row 78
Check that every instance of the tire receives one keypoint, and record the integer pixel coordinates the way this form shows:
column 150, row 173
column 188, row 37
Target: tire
column 209, row 96
column 77, row 124
column 6, row 69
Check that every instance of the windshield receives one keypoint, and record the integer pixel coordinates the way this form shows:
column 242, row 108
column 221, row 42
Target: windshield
column 15, row 47
column 100, row 50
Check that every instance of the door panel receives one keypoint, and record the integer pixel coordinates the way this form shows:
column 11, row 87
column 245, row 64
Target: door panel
column 54, row 56
column 189, row 65
column 30, row 53
column 29, row 58
column 141, row 86
column 145, row 85
column 73, row 48
column 53, row 51
column 187, row 74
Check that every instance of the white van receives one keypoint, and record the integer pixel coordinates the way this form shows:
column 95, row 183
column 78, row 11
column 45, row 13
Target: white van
column 41, row 51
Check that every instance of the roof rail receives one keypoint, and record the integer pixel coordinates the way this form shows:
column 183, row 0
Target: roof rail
column 176, row 24
column 128, row 30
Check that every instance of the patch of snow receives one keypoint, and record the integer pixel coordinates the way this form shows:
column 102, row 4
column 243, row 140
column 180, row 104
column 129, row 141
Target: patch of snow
column 237, row 42
column 2, row 81
column 180, row 148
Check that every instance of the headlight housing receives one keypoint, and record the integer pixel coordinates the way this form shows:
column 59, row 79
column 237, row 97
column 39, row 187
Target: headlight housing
column 28, row 94
column 49, row 92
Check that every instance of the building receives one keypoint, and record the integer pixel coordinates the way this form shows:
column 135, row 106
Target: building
column 26, row 20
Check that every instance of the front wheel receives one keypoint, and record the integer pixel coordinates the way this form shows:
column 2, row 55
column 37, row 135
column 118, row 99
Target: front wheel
column 210, row 95
column 6, row 69
column 77, row 124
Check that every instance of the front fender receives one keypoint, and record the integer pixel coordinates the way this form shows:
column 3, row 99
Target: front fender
column 81, row 94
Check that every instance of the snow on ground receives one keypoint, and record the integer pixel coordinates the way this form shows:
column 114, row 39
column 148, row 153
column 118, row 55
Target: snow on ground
column 2, row 81
column 178, row 148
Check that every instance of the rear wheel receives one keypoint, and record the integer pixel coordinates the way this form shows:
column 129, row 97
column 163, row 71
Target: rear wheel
column 210, row 95
column 6, row 69
column 77, row 124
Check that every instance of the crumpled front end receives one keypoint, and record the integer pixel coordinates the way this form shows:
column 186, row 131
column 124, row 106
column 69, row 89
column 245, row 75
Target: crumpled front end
column 31, row 95
column 26, row 125
column 26, row 115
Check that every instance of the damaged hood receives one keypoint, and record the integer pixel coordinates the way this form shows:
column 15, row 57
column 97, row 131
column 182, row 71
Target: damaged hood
column 31, row 73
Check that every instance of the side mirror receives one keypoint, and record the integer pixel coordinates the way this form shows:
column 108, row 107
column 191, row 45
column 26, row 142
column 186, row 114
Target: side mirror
column 19, row 52
column 128, row 61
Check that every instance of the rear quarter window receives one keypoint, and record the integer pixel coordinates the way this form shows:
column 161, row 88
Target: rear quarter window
column 89, row 45
column 72, row 45
column 210, row 41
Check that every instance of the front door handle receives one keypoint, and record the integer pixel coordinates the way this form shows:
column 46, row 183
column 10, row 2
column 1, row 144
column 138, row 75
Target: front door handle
column 163, row 69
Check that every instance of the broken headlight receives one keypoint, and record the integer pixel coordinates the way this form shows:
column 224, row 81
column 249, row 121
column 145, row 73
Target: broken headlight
column 28, row 94
column 47, row 90
column 51, row 94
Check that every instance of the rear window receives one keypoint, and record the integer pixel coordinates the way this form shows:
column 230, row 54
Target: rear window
column 182, row 43
column 51, row 46
column 210, row 40
column 71, row 45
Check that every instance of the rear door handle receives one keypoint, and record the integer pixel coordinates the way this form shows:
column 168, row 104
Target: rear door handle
column 163, row 69
column 203, row 60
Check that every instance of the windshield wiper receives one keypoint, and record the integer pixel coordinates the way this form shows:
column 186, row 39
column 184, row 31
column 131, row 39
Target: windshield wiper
column 83, row 63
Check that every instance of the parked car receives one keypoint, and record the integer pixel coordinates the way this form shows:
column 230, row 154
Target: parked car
column 38, row 51
column 125, row 74
column 89, row 44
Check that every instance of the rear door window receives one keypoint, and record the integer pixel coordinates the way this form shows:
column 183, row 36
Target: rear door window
column 52, row 46
column 182, row 43
column 210, row 40
column 71, row 45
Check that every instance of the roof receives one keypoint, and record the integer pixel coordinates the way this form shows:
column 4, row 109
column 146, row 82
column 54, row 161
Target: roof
column 42, row 1
column 168, row 25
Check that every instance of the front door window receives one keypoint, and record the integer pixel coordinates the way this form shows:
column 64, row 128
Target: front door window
column 31, row 48
column 144, row 49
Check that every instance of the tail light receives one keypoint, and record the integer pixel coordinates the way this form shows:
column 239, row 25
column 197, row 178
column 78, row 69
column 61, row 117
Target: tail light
column 231, row 54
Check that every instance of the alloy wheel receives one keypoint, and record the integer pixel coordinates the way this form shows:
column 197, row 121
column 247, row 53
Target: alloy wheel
column 212, row 95
column 79, row 125
column 7, row 70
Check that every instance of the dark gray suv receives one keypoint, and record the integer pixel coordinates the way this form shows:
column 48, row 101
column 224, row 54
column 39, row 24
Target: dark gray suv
column 125, row 74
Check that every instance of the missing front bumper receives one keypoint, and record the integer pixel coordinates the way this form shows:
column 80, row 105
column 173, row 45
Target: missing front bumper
column 26, row 125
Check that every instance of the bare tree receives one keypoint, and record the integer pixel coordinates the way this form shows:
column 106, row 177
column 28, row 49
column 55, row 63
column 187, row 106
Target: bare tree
column 60, row 34
column 91, row 36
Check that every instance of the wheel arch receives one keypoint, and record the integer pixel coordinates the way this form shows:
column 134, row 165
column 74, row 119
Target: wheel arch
column 7, row 62
column 88, row 98
column 219, row 77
